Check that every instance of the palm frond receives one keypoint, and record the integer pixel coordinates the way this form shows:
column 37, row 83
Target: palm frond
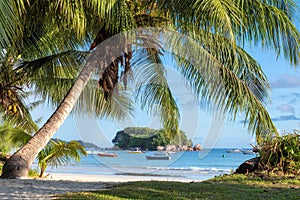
column 92, row 102
column 58, row 152
column 221, row 87
column 210, row 15
column 45, row 75
column 237, row 60
column 153, row 92
column 10, row 23
column 270, row 23
column 13, row 136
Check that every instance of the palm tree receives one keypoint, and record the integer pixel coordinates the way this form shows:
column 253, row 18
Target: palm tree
column 45, row 73
column 216, row 27
column 58, row 152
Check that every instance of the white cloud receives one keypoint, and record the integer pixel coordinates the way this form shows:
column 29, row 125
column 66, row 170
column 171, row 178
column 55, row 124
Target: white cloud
column 286, row 108
column 287, row 81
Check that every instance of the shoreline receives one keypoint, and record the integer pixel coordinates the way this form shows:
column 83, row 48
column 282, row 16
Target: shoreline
column 115, row 178
column 59, row 183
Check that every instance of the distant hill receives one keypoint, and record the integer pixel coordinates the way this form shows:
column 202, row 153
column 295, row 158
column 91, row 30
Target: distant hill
column 88, row 145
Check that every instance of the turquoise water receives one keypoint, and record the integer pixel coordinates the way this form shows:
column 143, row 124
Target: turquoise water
column 192, row 165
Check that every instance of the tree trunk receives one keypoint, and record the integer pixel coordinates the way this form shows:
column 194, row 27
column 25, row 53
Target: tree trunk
column 111, row 48
column 43, row 169
column 19, row 163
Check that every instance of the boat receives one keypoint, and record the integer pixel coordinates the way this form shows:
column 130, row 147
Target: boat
column 135, row 152
column 159, row 157
column 105, row 154
column 160, row 153
column 248, row 151
column 233, row 151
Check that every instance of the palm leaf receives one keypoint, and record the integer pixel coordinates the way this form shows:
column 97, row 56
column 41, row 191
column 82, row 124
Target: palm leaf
column 58, row 152
column 216, row 85
column 93, row 103
column 153, row 92
column 275, row 29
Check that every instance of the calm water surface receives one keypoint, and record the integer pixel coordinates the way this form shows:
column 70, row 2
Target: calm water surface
column 192, row 165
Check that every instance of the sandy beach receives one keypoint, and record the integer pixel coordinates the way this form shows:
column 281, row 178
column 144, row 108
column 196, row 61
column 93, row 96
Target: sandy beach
column 59, row 183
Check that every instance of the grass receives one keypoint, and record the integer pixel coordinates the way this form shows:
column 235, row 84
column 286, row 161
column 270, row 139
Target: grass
column 225, row 187
column 236, row 186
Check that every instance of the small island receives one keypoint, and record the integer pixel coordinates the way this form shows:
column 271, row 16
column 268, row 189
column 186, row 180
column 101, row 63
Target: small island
column 151, row 139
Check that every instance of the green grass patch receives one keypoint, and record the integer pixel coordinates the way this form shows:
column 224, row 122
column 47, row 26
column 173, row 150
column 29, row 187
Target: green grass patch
column 225, row 187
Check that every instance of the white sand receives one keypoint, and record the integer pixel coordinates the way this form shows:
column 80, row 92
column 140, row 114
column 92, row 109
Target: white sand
column 58, row 183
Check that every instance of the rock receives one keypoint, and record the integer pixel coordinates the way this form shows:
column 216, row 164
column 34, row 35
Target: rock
column 197, row 147
column 160, row 148
column 248, row 166
column 185, row 148
column 171, row 147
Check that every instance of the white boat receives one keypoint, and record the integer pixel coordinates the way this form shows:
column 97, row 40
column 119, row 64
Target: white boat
column 248, row 151
column 106, row 154
column 233, row 151
column 161, row 153
column 159, row 157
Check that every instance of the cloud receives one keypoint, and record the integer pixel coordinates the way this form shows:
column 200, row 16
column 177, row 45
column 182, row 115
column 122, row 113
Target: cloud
column 293, row 101
column 286, row 108
column 279, row 118
column 297, row 95
column 287, row 81
column 285, row 118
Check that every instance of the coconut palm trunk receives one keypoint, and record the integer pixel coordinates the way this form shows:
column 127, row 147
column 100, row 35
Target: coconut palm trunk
column 19, row 163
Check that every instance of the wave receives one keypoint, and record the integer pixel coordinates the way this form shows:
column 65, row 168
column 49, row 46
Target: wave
column 196, row 169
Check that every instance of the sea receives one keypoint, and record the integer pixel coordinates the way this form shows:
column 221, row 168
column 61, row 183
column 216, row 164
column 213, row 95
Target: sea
column 193, row 165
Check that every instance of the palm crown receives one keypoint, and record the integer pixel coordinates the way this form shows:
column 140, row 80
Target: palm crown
column 53, row 33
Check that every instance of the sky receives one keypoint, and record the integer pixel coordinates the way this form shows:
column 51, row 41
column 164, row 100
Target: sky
column 200, row 126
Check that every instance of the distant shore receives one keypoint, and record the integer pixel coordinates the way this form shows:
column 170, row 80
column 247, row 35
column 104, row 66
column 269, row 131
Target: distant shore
column 59, row 183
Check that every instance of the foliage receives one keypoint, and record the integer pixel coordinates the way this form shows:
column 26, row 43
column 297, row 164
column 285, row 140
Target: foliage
column 58, row 152
column 227, row 187
column 225, row 76
column 46, row 29
column 33, row 173
column 147, row 138
column 12, row 137
column 281, row 154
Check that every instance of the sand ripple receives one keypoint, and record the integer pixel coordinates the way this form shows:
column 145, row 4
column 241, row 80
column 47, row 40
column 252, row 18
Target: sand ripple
column 43, row 189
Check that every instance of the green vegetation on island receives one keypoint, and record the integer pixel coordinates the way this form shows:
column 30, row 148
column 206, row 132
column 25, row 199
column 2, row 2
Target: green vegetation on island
column 147, row 138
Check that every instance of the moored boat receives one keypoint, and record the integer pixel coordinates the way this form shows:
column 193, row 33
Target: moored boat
column 135, row 152
column 248, row 151
column 105, row 154
column 159, row 157
column 233, row 151
column 160, row 153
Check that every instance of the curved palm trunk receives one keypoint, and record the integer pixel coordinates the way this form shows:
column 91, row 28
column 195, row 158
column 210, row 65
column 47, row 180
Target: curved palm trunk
column 18, row 164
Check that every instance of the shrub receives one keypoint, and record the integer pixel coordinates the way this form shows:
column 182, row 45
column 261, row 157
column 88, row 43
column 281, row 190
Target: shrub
column 282, row 154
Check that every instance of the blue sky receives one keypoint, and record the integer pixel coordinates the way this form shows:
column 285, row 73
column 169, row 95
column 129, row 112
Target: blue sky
column 199, row 125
